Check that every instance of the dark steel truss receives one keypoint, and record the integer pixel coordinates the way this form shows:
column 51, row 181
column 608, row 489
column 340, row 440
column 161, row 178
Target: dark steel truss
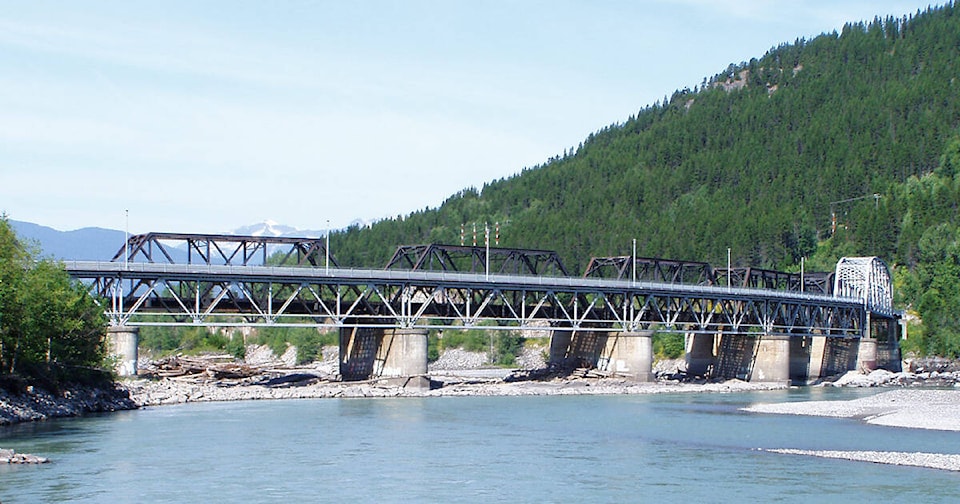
column 179, row 248
column 650, row 269
column 759, row 278
column 214, row 295
column 467, row 259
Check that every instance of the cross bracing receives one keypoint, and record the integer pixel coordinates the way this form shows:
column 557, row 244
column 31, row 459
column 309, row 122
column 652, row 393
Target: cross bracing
column 221, row 295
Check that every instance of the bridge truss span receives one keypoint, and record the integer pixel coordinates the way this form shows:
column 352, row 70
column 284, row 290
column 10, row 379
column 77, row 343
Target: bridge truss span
column 223, row 295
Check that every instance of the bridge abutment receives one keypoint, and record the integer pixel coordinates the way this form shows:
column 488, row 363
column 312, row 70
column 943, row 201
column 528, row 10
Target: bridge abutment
column 367, row 353
column 122, row 342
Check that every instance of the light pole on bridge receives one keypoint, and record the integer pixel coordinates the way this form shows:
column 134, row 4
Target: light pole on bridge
column 126, row 238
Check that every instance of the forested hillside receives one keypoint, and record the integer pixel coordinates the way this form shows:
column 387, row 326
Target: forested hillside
column 758, row 159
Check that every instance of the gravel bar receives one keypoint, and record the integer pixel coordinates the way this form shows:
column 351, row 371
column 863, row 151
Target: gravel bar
column 910, row 408
column 916, row 459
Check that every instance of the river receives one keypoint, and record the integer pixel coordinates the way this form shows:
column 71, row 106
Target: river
column 637, row 448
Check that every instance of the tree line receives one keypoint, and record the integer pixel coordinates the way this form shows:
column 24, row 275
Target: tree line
column 51, row 329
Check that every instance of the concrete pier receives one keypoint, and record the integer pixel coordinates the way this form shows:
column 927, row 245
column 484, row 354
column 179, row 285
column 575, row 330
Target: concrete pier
column 402, row 353
column 772, row 362
column 867, row 355
column 701, row 353
column 628, row 354
column 818, row 349
column 122, row 344
column 560, row 341
column 801, row 349
column 367, row 353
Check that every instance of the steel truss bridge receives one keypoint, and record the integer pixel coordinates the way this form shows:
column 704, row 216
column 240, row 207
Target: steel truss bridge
column 220, row 284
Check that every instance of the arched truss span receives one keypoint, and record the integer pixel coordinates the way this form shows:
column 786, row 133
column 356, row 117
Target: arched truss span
column 866, row 279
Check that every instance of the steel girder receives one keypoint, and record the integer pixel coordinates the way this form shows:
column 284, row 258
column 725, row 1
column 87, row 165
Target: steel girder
column 153, row 294
column 180, row 248
column 467, row 259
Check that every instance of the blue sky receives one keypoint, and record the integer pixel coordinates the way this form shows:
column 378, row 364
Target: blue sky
column 206, row 116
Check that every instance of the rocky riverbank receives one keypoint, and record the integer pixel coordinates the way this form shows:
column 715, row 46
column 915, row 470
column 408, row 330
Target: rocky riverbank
column 34, row 404
column 456, row 373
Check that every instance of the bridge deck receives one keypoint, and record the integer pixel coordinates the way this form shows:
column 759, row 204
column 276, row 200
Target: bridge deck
column 150, row 293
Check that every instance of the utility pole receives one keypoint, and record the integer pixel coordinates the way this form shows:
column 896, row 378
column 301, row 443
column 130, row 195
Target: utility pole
column 833, row 208
column 486, row 232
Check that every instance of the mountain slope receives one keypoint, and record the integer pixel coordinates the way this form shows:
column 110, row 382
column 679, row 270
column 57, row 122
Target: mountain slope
column 86, row 244
column 758, row 159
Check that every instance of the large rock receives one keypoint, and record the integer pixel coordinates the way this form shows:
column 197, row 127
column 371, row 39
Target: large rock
column 11, row 457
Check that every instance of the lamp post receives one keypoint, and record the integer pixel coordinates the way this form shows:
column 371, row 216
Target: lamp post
column 802, row 259
column 326, row 251
column 729, row 269
column 126, row 238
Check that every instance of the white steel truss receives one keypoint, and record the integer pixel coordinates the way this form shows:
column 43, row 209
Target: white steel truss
column 866, row 279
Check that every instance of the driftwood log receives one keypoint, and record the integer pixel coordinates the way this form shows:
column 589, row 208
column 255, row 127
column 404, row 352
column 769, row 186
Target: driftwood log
column 207, row 367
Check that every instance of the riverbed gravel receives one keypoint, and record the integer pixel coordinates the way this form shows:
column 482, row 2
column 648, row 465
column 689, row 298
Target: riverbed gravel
column 911, row 407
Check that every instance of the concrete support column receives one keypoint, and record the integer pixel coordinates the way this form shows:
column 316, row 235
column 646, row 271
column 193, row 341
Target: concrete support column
column 358, row 349
column 815, row 368
column 700, row 353
column 867, row 355
column 560, row 346
column 402, row 353
column 122, row 344
column 629, row 354
column 800, row 350
column 772, row 363
column 399, row 354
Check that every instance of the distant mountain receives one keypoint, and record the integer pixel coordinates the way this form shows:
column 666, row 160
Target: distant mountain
column 273, row 228
column 86, row 244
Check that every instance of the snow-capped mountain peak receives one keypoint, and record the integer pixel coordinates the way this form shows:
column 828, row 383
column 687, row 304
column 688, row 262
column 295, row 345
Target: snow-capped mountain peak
column 274, row 228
